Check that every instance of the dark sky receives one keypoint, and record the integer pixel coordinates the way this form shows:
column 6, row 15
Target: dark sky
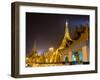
column 48, row 29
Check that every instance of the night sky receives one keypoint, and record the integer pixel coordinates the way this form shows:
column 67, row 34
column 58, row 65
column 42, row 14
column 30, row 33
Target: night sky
column 47, row 30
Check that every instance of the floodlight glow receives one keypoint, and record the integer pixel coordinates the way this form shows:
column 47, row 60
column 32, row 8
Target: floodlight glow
column 51, row 49
column 66, row 23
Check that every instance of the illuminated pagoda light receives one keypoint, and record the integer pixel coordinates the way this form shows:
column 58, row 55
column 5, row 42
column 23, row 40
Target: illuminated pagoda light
column 51, row 49
column 68, row 45
column 65, row 40
column 66, row 37
column 35, row 57
column 65, row 52
column 48, row 55
column 56, row 57
column 32, row 56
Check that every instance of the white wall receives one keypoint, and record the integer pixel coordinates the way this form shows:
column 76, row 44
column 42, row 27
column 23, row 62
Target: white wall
column 5, row 40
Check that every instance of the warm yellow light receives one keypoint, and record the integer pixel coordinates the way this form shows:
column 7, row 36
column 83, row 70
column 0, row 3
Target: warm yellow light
column 51, row 49
column 27, row 58
column 66, row 23
column 26, row 65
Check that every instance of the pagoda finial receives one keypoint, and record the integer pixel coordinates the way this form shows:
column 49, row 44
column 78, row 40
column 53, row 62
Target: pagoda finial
column 67, row 35
column 66, row 23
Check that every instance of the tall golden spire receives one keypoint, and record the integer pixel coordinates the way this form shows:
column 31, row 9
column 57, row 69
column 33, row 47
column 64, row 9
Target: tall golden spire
column 66, row 37
column 65, row 40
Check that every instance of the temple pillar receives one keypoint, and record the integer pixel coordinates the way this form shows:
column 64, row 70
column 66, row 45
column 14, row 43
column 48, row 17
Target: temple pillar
column 85, row 54
column 70, row 56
